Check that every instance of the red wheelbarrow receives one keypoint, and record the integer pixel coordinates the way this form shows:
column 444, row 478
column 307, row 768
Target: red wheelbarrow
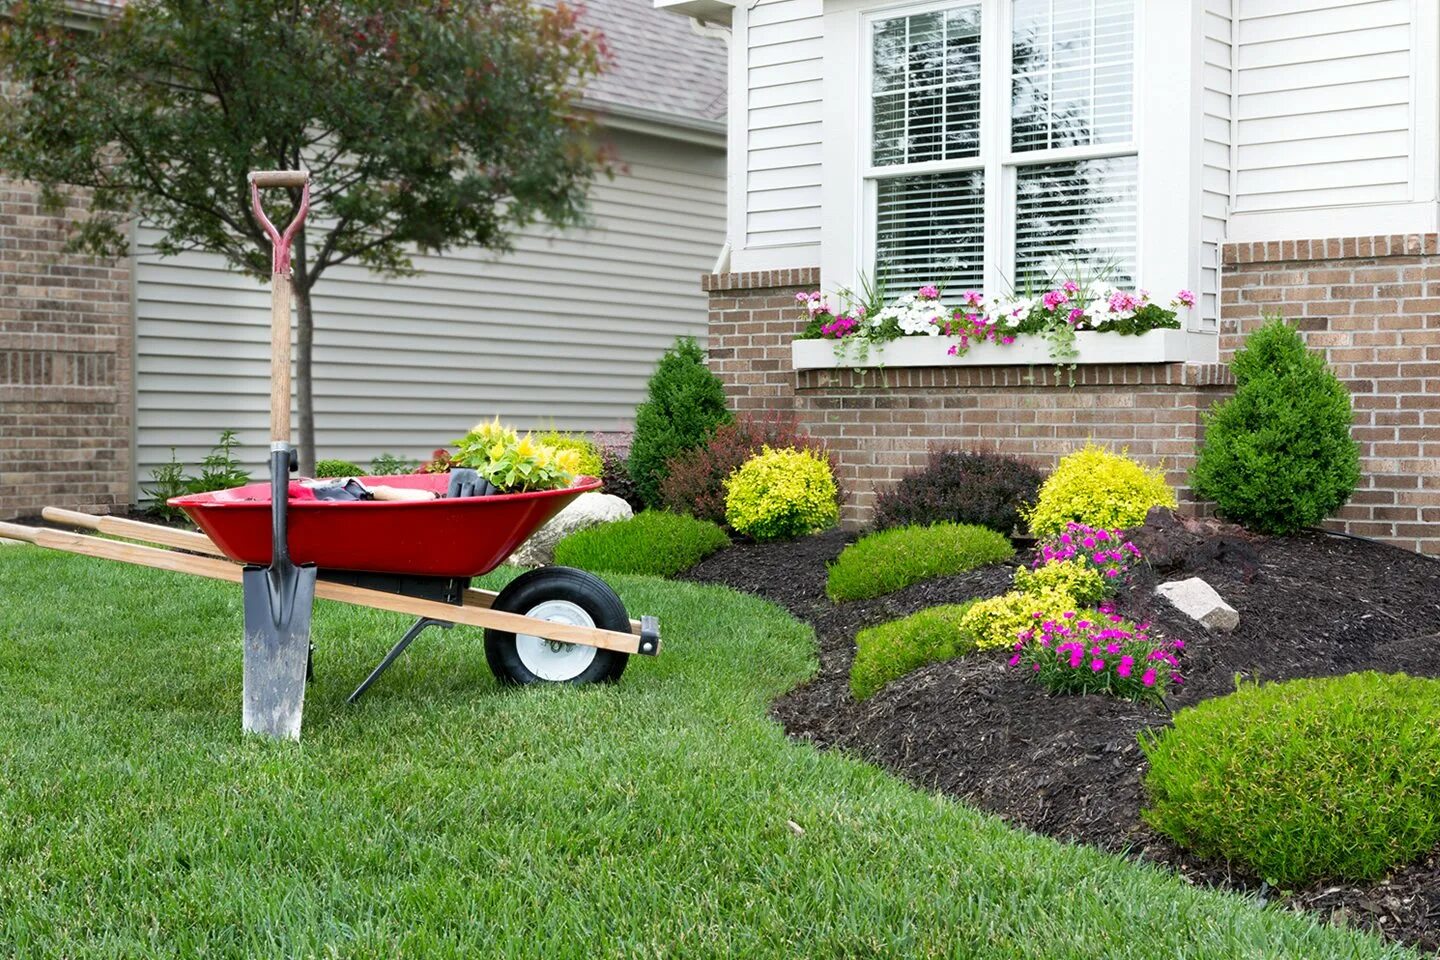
column 551, row 625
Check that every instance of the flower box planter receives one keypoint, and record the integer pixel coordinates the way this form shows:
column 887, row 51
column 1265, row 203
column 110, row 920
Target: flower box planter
column 1154, row 346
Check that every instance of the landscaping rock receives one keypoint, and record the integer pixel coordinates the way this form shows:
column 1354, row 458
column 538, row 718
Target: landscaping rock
column 1198, row 600
column 586, row 510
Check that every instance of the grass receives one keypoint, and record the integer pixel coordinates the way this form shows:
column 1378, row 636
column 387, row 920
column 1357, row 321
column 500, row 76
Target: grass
column 1327, row 778
column 884, row 562
column 891, row 650
column 653, row 542
column 444, row 817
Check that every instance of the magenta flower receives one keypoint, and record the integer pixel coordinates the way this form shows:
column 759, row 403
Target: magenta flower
column 1054, row 299
column 1097, row 665
column 929, row 293
column 1127, row 663
column 1070, row 286
column 1149, row 678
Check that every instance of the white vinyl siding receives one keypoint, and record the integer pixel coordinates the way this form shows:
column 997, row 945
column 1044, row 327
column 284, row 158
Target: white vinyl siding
column 783, row 149
column 564, row 330
column 1215, row 146
column 1323, row 103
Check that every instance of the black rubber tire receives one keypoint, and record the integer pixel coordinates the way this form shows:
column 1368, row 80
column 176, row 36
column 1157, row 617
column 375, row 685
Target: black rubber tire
column 583, row 589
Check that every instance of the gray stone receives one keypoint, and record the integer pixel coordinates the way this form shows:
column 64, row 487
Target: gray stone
column 1198, row 600
column 586, row 510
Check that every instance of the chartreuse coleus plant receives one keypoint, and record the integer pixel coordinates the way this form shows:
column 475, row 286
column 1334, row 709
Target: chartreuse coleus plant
column 515, row 464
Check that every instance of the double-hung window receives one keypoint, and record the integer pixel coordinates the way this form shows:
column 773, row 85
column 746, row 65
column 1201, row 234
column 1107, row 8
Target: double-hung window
column 1001, row 143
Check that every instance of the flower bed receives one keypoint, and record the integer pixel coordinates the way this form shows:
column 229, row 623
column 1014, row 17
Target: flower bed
column 1071, row 766
column 1067, row 325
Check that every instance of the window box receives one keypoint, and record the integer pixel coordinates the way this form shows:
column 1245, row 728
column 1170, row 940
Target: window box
column 1154, row 346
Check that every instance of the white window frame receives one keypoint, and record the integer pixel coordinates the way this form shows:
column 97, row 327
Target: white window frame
column 997, row 158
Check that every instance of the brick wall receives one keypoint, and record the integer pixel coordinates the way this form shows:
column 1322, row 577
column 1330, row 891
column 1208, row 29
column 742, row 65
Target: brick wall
column 883, row 424
column 65, row 366
column 1372, row 305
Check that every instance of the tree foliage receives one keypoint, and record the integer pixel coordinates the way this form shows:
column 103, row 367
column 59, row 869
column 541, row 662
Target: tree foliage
column 425, row 125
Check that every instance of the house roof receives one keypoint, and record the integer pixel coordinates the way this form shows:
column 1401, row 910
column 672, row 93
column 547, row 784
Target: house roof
column 662, row 68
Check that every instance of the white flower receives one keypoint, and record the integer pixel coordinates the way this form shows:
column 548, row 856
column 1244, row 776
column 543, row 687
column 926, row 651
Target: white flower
column 914, row 316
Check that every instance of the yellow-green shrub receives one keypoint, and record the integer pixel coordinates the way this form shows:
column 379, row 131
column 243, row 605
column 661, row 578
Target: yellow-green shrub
column 1074, row 577
column 1098, row 488
column 781, row 493
column 587, row 452
column 997, row 622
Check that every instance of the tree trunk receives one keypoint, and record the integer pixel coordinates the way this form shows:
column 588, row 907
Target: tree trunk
column 304, row 343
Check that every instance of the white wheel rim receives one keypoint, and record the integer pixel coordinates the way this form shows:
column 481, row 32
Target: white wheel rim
column 547, row 659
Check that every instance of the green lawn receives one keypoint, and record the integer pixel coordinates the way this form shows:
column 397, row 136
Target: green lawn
column 445, row 817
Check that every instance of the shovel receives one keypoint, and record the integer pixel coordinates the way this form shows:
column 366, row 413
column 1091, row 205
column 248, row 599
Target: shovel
column 278, row 598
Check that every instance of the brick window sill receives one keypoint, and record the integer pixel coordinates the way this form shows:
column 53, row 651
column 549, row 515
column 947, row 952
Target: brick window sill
column 1155, row 346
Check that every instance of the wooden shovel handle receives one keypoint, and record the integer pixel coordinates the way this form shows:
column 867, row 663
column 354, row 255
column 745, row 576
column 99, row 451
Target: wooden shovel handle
column 279, row 178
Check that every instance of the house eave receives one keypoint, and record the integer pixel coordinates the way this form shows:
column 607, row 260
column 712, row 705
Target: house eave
column 710, row 133
column 706, row 11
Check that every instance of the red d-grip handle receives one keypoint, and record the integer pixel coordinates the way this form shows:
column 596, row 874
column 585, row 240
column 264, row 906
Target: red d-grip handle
column 280, row 256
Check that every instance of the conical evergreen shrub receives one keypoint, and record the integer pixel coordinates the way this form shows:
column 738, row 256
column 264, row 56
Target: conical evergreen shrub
column 1278, row 456
column 686, row 404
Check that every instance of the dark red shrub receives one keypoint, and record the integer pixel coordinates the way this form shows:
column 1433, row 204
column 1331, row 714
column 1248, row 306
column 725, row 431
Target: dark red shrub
column 960, row 486
column 439, row 462
column 695, row 483
column 615, row 477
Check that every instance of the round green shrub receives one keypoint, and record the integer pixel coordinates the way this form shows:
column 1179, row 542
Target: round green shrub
column 652, row 542
column 685, row 404
column 1337, row 777
column 782, row 493
column 883, row 562
column 891, row 650
column 1098, row 488
column 329, row 469
column 1278, row 456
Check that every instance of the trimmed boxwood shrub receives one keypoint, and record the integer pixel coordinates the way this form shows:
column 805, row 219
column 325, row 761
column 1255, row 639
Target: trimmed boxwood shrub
column 1337, row 777
column 1278, row 456
column 960, row 486
column 686, row 403
column 329, row 469
column 893, row 649
column 652, row 542
column 1098, row 488
column 883, row 562
column 782, row 493
column 695, row 480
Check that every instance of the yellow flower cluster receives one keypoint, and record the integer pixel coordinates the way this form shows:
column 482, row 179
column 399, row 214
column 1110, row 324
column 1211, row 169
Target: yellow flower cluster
column 1100, row 489
column 515, row 464
column 1074, row 577
column 781, row 493
column 997, row 622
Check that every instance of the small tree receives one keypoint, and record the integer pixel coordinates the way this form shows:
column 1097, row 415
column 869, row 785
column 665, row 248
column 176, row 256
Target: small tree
column 425, row 125
column 1278, row 456
column 686, row 404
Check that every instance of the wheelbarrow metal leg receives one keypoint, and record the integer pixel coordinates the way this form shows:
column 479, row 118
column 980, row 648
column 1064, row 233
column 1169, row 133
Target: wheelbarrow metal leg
column 417, row 628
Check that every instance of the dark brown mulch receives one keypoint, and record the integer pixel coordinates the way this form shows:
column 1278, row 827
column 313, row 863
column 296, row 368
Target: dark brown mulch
column 1071, row 767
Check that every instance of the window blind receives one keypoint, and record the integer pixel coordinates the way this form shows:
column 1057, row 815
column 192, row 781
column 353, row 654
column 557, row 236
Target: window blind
column 1072, row 70
column 931, row 229
column 926, row 87
column 1076, row 217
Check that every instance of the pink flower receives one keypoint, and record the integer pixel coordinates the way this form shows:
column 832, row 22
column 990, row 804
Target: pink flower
column 1126, row 663
column 1149, row 678
column 1076, row 315
column 1186, row 297
column 1071, row 286
column 1053, row 299
column 1014, row 660
column 1097, row 665
column 929, row 293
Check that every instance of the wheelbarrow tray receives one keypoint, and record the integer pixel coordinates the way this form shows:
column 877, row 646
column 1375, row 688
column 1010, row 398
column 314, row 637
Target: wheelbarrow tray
column 448, row 537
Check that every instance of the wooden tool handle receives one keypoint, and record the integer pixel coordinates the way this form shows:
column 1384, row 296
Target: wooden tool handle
column 280, row 357
column 279, row 178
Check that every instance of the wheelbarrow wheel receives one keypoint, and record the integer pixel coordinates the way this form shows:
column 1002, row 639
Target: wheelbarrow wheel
column 565, row 595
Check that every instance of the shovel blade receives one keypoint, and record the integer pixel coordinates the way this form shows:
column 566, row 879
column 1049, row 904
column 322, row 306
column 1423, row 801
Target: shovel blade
column 277, row 648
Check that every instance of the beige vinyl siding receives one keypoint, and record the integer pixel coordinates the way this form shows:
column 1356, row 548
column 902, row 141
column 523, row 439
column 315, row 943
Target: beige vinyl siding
column 565, row 329
column 1323, row 103
column 1215, row 146
column 783, row 146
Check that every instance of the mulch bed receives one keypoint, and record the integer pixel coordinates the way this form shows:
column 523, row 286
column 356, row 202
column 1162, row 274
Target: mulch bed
column 1071, row 767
